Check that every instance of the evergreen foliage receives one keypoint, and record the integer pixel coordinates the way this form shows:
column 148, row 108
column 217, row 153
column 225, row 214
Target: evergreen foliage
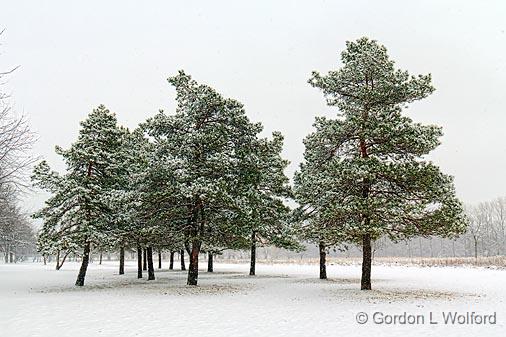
column 364, row 175
column 201, row 179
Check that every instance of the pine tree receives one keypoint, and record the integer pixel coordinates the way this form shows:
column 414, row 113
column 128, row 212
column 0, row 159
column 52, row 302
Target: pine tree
column 79, row 210
column 364, row 176
column 264, row 211
column 203, row 148
column 159, row 208
column 128, row 228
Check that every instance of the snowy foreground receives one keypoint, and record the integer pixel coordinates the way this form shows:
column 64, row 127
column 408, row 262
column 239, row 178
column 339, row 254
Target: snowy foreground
column 282, row 300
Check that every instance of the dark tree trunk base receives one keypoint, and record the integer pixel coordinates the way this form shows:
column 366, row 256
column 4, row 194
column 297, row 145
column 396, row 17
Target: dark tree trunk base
column 122, row 260
column 159, row 260
column 365, row 283
column 144, row 260
column 193, row 270
column 171, row 260
column 151, row 269
column 323, row 256
column 210, row 263
column 139, row 261
column 58, row 260
column 183, row 267
column 253, row 259
column 84, row 265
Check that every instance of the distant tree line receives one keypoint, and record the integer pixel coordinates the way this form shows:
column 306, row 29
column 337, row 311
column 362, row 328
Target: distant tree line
column 485, row 236
column 203, row 180
column 17, row 237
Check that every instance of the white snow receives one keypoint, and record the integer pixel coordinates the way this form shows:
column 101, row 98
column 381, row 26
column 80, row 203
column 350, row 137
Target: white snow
column 282, row 300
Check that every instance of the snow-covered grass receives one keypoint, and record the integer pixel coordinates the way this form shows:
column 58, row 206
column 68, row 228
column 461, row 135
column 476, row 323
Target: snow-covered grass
column 282, row 300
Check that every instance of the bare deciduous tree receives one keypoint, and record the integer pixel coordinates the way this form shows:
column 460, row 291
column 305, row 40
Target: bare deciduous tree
column 16, row 140
column 17, row 238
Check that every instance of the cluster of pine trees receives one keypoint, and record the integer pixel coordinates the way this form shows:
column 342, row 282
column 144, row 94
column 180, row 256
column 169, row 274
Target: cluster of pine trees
column 203, row 180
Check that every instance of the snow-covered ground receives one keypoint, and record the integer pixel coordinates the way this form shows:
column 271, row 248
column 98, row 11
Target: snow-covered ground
column 282, row 300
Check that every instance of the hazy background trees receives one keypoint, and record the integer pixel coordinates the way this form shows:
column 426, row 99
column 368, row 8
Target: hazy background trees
column 17, row 238
column 16, row 234
column 485, row 237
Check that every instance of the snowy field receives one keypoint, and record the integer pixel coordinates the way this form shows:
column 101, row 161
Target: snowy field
column 282, row 300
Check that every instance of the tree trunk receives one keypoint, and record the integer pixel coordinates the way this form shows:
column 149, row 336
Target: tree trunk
column 11, row 257
column 58, row 259
column 171, row 261
column 193, row 270
column 366, row 238
column 323, row 267
column 43, row 256
column 182, row 260
column 145, row 260
column 475, row 247
column 159, row 259
column 139, row 261
column 365, row 283
column 210, row 262
column 122, row 260
column 100, row 258
column 253, row 257
column 84, row 265
column 59, row 263
column 151, row 269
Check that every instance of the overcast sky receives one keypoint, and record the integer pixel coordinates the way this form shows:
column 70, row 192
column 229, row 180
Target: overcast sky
column 74, row 57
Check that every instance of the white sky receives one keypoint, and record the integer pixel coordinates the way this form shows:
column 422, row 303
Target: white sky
column 74, row 57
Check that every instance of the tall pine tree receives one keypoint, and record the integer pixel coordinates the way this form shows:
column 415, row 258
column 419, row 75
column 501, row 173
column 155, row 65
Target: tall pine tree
column 364, row 174
column 80, row 206
column 203, row 148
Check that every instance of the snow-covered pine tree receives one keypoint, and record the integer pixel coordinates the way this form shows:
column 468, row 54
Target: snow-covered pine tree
column 364, row 175
column 259, row 216
column 80, row 208
column 127, row 226
column 317, row 220
column 203, row 145
column 264, row 212
column 162, row 209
